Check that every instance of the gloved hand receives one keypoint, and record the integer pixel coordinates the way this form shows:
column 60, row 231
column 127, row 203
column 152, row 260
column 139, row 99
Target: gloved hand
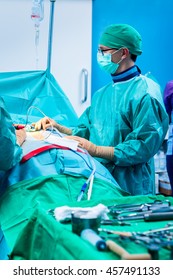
column 21, row 136
column 47, row 122
column 94, row 150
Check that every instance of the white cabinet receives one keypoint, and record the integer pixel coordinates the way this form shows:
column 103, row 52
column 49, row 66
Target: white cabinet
column 71, row 47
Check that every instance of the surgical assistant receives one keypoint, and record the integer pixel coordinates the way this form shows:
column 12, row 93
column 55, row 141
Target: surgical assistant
column 10, row 140
column 126, row 123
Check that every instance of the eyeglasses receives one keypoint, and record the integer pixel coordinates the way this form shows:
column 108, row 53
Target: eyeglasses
column 102, row 51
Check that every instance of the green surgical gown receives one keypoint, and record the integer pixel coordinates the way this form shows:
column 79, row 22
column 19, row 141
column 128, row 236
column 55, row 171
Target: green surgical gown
column 129, row 116
column 10, row 151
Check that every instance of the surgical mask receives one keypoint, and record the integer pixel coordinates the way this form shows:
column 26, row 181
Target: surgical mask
column 104, row 61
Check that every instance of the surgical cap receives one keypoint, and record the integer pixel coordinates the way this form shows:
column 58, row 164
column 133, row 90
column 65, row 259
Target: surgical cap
column 122, row 35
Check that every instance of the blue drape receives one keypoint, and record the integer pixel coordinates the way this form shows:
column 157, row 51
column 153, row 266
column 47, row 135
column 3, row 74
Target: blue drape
column 20, row 90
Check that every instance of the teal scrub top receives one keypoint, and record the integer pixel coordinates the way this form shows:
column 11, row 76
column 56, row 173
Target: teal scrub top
column 10, row 151
column 129, row 116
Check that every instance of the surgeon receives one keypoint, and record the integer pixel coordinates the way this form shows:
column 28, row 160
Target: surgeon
column 126, row 123
column 10, row 140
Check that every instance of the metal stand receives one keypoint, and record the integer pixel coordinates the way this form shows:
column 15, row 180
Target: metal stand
column 49, row 54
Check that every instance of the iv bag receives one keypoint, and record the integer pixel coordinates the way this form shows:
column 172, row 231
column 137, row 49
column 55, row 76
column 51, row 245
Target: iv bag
column 37, row 15
column 37, row 12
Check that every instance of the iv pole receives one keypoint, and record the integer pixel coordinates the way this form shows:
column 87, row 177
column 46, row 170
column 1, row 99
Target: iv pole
column 49, row 54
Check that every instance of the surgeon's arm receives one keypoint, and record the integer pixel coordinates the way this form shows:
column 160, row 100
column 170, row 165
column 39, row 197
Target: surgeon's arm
column 47, row 122
column 149, row 124
column 94, row 150
column 20, row 136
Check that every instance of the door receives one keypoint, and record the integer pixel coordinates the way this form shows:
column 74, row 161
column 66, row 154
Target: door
column 71, row 57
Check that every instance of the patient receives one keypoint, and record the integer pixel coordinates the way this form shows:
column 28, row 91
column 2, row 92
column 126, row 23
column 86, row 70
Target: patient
column 50, row 175
column 52, row 155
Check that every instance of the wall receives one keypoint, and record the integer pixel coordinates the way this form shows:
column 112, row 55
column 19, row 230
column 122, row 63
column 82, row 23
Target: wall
column 154, row 21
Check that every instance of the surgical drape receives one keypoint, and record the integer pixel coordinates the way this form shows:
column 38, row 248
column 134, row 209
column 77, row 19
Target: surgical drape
column 20, row 90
